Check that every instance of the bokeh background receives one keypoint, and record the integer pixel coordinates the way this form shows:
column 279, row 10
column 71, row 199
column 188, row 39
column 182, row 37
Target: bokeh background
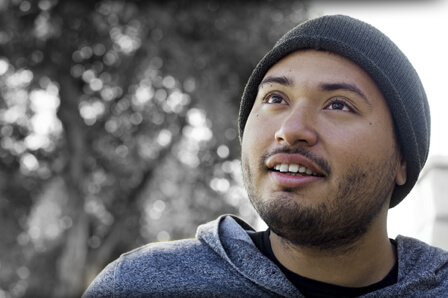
column 118, row 127
column 118, row 124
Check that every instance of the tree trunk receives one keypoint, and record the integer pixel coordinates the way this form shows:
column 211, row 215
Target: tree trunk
column 71, row 263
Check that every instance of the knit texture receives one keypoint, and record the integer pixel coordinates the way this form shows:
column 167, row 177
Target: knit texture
column 223, row 262
column 382, row 60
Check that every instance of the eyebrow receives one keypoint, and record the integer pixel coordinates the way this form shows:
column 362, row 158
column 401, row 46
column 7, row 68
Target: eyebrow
column 285, row 81
column 343, row 86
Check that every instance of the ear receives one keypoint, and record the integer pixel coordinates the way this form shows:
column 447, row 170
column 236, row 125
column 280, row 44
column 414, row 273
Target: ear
column 400, row 177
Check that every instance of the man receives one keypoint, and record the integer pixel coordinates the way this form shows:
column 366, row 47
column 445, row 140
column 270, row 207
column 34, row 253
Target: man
column 334, row 126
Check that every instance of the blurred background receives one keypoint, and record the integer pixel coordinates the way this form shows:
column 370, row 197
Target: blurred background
column 118, row 127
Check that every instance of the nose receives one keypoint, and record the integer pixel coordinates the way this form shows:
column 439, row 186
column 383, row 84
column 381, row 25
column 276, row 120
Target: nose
column 297, row 128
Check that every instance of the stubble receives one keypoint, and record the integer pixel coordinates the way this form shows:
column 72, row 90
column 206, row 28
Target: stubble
column 335, row 224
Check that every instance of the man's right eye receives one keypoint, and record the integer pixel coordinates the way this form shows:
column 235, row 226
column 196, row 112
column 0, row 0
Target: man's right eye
column 274, row 99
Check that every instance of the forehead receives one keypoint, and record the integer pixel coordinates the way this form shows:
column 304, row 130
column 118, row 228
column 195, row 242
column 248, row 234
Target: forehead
column 327, row 65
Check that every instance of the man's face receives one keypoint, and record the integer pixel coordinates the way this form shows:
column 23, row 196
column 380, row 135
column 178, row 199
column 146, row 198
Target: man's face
column 320, row 159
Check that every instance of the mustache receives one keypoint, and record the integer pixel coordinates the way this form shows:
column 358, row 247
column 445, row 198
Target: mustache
column 322, row 163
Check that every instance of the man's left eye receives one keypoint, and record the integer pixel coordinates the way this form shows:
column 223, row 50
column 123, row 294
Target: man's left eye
column 339, row 105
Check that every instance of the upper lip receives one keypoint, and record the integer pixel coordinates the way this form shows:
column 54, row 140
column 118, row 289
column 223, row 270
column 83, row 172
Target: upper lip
column 289, row 158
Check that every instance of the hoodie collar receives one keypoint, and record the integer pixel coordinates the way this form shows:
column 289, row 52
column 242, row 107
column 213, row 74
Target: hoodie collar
column 228, row 237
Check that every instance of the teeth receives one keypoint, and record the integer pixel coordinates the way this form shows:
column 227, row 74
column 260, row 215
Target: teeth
column 294, row 169
column 284, row 167
column 295, row 174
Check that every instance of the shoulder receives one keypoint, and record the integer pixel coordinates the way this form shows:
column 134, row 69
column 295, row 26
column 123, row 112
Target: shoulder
column 150, row 267
column 162, row 255
column 414, row 251
column 422, row 268
column 202, row 265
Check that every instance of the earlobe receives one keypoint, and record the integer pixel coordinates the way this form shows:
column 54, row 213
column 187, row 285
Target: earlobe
column 401, row 176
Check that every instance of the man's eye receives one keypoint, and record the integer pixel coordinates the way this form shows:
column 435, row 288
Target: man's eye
column 340, row 105
column 274, row 99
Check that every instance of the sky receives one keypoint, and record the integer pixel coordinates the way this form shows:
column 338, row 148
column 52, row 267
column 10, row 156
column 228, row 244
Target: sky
column 419, row 28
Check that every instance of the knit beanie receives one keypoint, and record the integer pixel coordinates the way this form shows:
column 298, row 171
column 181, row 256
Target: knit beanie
column 382, row 60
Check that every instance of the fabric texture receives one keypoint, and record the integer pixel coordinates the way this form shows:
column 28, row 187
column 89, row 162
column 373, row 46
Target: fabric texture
column 313, row 288
column 223, row 262
column 382, row 60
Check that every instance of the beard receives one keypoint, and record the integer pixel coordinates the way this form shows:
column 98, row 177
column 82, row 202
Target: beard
column 335, row 224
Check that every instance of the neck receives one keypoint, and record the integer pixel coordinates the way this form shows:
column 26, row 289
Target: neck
column 365, row 262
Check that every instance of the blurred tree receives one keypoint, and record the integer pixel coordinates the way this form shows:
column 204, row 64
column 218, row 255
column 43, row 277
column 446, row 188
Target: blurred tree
column 118, row 127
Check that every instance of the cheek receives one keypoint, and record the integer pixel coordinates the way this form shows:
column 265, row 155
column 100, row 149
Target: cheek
column 247, row 144
column 258, row 131
column 381, row 137
column 257, row 139
column 365, row 141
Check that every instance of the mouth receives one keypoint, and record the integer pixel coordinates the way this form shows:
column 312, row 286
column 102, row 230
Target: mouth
column 294, row 169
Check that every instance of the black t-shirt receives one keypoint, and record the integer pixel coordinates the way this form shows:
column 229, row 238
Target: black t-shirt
column 312, row 288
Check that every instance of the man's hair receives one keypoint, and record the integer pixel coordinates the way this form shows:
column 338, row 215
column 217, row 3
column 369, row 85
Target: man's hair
column 382, row 60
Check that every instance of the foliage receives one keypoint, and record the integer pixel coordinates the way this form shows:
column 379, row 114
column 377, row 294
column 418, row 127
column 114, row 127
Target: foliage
column 118, row 126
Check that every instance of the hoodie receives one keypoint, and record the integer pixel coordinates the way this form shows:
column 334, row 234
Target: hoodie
column 222, row 261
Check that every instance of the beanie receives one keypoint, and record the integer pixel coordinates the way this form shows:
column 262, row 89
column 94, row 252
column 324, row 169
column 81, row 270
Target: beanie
column 373, row 51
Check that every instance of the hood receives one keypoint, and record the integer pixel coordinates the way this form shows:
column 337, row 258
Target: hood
column 228, row 237
column 421, row 267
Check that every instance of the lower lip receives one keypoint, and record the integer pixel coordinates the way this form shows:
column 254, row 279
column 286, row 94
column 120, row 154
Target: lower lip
column 286, row 180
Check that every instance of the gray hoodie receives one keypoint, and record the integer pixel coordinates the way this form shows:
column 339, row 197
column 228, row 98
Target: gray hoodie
column 223, row 262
